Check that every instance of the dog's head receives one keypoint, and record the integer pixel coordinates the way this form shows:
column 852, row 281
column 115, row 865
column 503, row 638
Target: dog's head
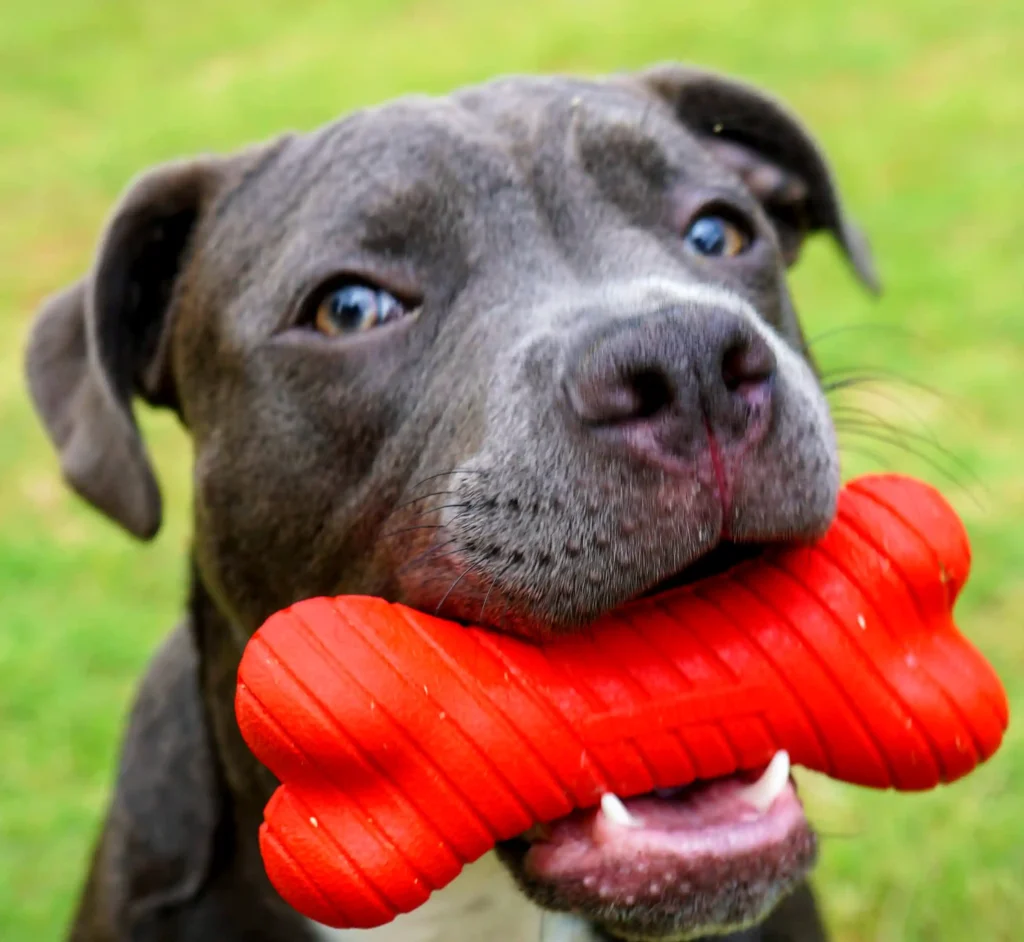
column 516, row 355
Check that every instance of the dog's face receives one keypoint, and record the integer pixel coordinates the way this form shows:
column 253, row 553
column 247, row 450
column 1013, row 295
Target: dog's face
column 515, row 356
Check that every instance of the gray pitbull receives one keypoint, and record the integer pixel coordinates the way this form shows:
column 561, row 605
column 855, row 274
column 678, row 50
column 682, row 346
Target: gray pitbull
column 516, row 355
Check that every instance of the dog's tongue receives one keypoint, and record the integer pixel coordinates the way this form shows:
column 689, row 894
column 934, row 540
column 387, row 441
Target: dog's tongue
column 670, row 845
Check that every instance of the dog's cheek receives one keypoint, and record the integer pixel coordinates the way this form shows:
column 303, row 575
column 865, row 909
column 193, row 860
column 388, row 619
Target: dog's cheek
column 259, row 513
column 231, row 545
column 789, row 487
column 288, row 504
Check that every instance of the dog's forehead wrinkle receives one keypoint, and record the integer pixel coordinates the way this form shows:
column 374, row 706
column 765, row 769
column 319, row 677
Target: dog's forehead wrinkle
column 422, row 140
column 608, row 139
column 483, row 136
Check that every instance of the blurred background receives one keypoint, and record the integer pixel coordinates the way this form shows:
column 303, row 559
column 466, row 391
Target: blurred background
column 920, row 104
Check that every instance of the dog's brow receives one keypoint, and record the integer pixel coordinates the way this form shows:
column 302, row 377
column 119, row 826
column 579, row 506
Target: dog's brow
column 385, row 217
column 398, row 207
column 619, row 141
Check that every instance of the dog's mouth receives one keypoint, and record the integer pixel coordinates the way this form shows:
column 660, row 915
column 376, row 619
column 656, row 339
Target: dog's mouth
column 723, row 557
column 675, row 864
column 712, row 856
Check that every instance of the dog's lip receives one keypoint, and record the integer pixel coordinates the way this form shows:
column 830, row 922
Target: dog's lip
column 723, row 557
column 684, row 850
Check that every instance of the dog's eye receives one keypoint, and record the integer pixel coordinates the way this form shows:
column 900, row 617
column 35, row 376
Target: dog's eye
column 351, row 308
column 714, row 236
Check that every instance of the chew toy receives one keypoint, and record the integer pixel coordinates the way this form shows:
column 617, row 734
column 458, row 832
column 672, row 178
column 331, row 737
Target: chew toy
column 408, row 745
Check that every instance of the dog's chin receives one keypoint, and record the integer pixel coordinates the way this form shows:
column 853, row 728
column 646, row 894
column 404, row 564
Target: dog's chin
column 693, row 862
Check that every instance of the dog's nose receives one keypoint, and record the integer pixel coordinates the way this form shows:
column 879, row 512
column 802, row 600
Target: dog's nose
column 674, row 377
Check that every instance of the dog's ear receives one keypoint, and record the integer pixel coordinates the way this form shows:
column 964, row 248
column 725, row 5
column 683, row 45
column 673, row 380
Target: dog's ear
column 772, row 152
column 103, row 340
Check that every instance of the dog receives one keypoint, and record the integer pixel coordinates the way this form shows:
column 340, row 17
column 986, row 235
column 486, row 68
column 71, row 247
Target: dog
column 516, row 356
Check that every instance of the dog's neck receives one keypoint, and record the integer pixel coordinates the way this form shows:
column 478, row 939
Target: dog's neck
column 219, row 648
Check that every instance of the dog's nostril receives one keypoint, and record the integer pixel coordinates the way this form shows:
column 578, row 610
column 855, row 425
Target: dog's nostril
column 652, row 392
column 747, row 365
column 624, row 394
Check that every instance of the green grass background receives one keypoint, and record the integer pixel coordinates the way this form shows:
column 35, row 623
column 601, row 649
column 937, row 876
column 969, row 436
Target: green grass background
column 920, row 103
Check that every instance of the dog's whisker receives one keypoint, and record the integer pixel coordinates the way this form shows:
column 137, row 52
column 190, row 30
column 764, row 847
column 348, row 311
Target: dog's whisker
column 436, row 557
column 833, row 332
column 494, row 581
column 845, row 408
column 430, row 550
column 457, row 551
column 896, row 442
column 441, row 474
column 899, row 433
column 868, row 453
column 426, row 526
column 451, row 588
column 490, row 589
column 878, row 390
column 898, row 438
column 838, row 380
column 501, row 617
column 399, row 532
column 858, row 448
column 416, row 500
column 430, row 510
column 860, row 422
column 854, row 415
column 875, row 392
column 410, row 519
column 397, row 509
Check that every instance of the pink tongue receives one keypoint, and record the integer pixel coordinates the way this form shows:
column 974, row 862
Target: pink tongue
column 698, row 808
column 704, row 835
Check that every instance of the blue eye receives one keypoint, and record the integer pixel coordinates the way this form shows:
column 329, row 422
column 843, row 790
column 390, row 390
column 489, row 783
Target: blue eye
column 354, row 308
column 715, row 237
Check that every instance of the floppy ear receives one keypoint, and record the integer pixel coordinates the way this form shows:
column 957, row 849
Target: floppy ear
column 771, row 151
column 104, row 340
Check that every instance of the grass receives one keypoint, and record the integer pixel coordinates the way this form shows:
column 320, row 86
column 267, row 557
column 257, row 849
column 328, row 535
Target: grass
column 921, row 104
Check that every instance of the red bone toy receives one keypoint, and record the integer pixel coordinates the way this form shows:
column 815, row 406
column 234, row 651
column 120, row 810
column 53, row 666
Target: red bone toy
column 409, row 745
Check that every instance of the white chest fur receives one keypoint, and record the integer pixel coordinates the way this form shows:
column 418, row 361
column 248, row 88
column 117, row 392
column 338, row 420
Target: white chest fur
column 482, row 905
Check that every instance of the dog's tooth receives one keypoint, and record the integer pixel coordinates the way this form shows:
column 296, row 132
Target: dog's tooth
column 616, row 812
column 762, row 793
